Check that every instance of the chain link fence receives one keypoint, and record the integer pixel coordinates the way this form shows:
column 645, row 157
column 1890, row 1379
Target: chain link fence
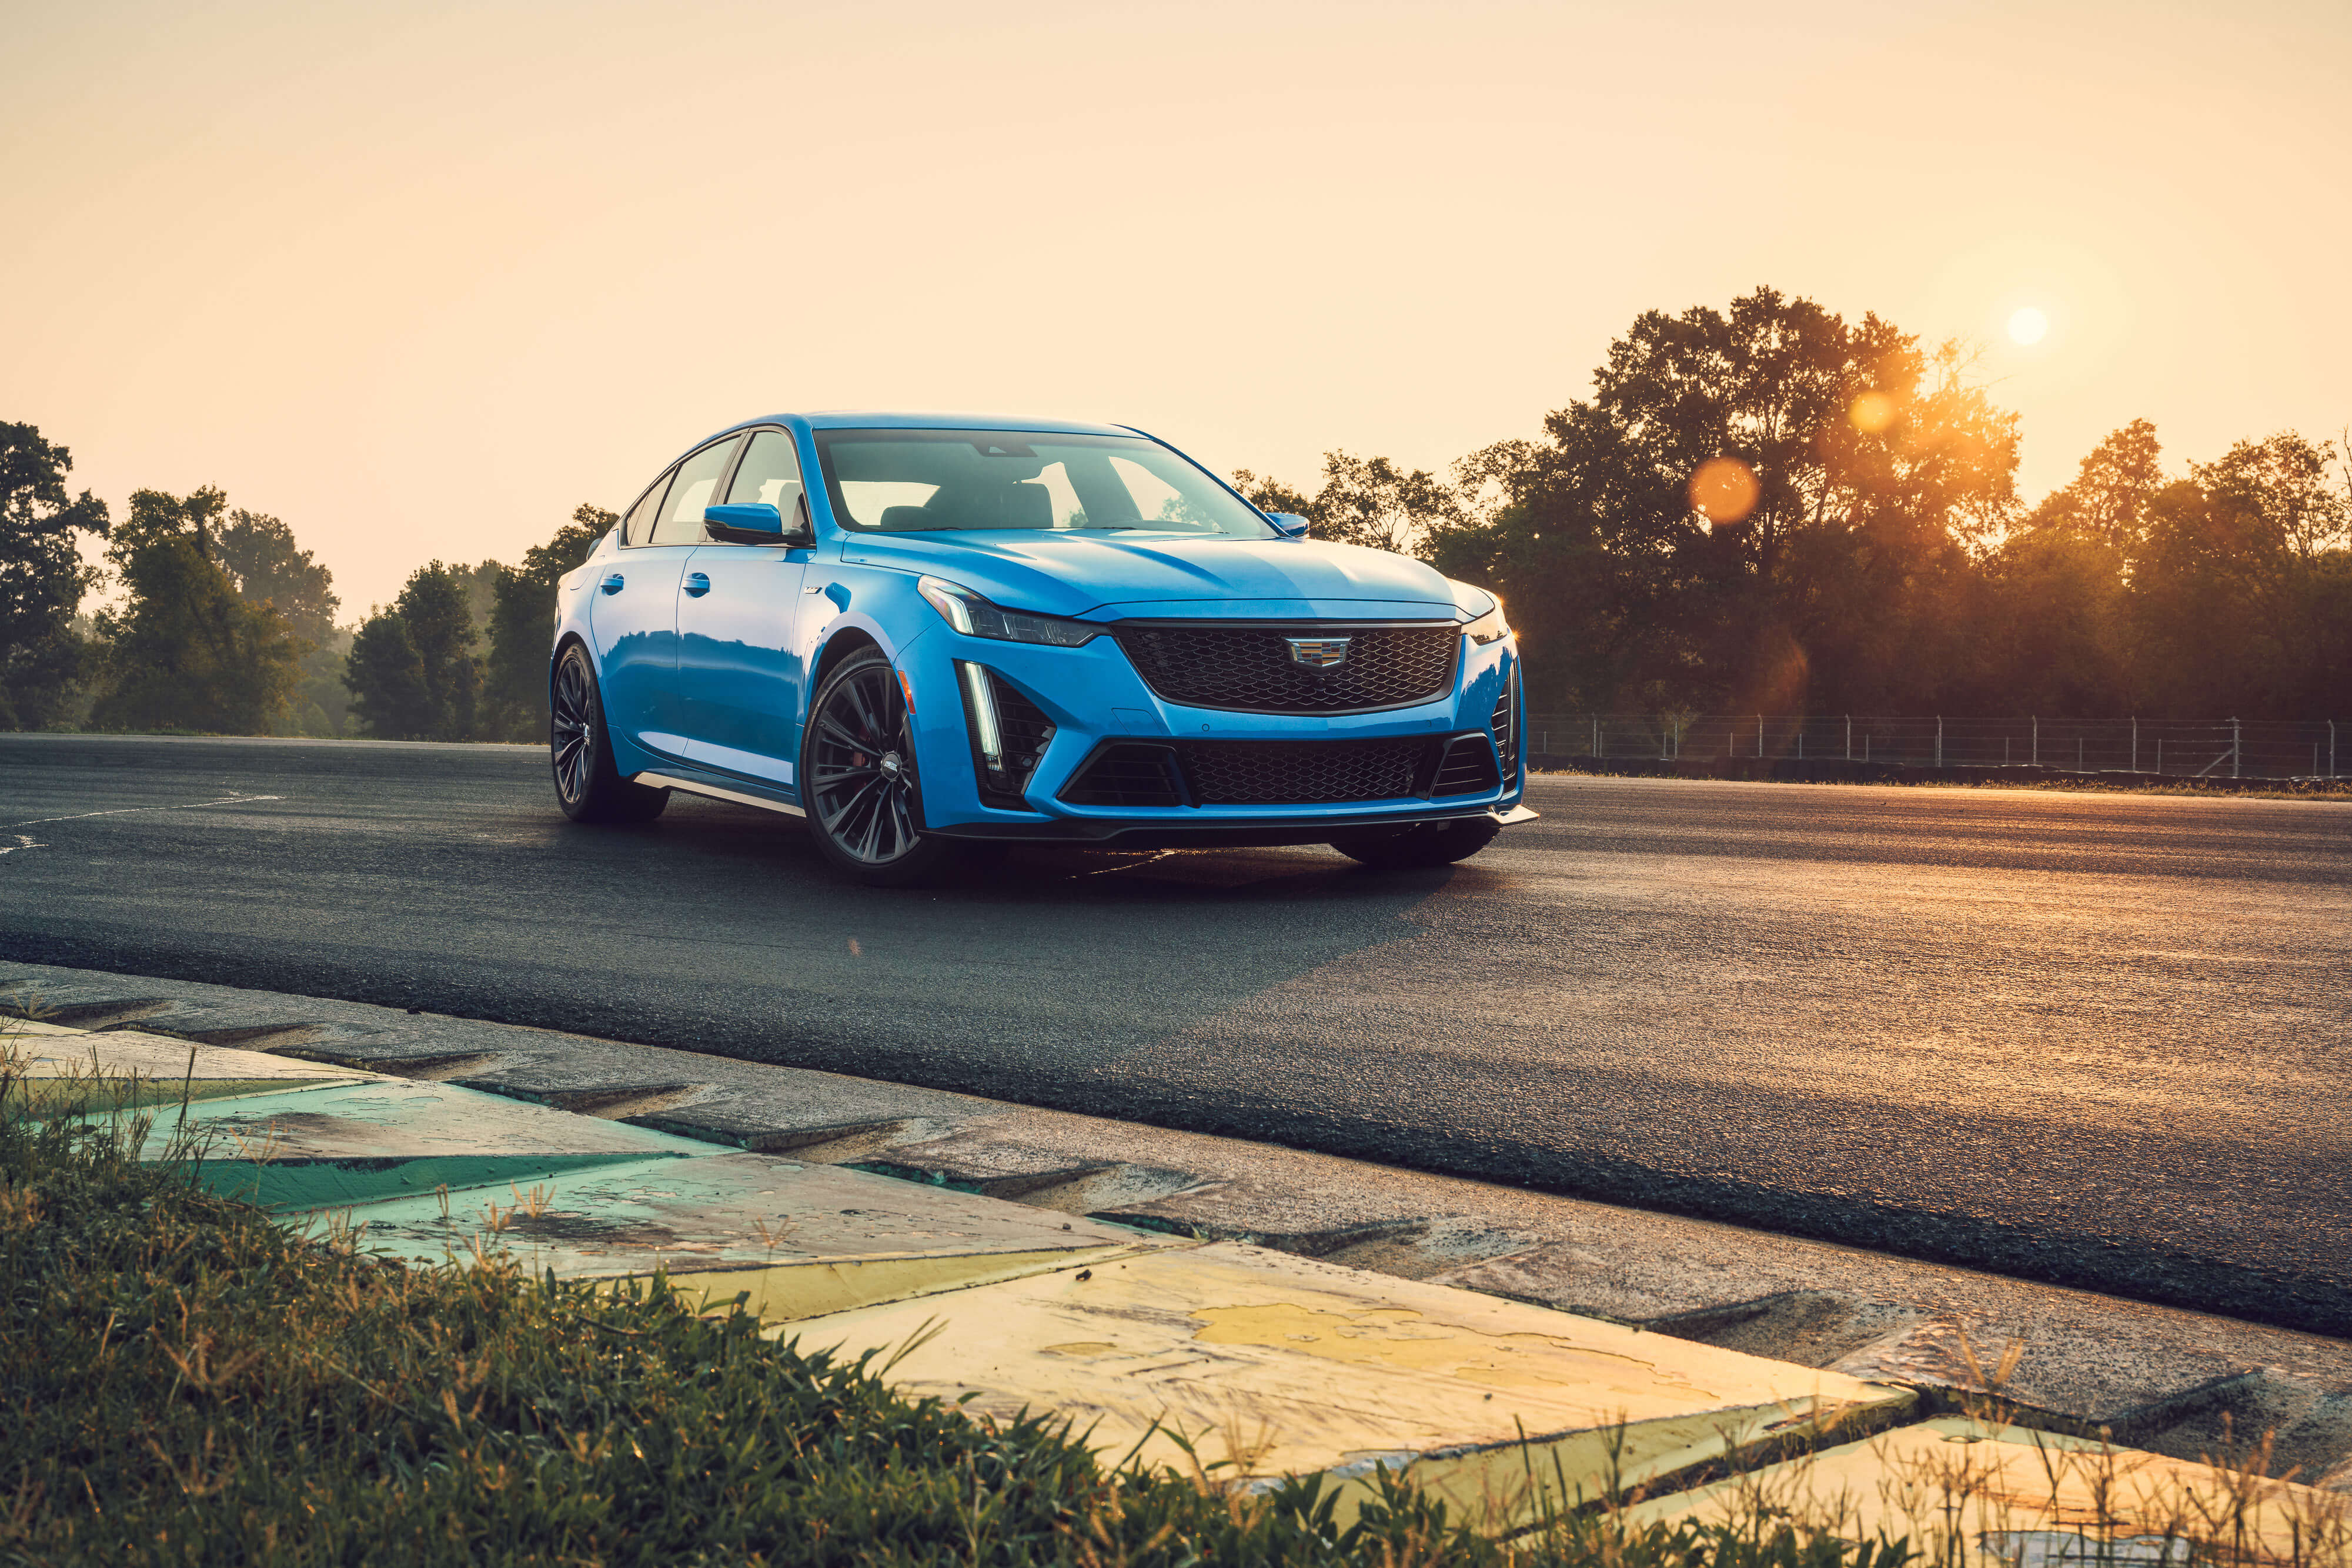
column 2188, row 748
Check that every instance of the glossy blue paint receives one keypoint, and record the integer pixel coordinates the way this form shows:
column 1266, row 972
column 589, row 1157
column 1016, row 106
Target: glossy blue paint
column 710, row 684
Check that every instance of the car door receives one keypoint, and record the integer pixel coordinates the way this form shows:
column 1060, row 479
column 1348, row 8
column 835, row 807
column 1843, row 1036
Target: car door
column 739, row 667
column 633, row 616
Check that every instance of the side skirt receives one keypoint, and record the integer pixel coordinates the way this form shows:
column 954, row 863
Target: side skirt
column 695, row 787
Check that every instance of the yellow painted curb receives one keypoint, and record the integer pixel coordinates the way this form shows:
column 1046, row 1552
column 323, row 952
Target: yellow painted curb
column 1969, row 1491
column 1276, row 1365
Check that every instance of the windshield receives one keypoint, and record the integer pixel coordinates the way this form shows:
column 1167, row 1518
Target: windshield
column 921, row 481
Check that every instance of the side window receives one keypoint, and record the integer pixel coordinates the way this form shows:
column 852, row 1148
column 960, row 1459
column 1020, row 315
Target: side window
column 680, row 520
column 770, row 472
column 639, row 528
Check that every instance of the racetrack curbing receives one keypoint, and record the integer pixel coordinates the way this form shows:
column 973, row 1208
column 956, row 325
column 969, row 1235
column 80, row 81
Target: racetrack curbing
column 1258, row 1363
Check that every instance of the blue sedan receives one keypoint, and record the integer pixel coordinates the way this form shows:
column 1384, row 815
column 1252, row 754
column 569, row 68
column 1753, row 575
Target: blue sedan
column 926, row 632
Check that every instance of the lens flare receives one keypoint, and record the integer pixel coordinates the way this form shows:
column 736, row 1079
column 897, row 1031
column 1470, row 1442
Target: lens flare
column 1872, row 413
column 2028, row 326
column 1724, row 489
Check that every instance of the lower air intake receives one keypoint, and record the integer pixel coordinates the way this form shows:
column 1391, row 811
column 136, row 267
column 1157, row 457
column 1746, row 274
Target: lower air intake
column 1301, row 773
column 1133, row 775
column 1468, row 768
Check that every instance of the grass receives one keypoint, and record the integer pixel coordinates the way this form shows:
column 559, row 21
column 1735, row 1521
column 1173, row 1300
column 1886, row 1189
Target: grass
column 184, row 1381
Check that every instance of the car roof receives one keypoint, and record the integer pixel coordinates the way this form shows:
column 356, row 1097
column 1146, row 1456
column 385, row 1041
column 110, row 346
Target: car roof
column 899, row 419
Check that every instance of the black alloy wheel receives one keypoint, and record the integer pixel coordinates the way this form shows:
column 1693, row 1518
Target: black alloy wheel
column 1422, row 845
column 858, row 781
column 588, row 784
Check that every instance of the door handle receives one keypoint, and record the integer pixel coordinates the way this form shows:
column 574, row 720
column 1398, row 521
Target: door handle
column 696, row 584
column 611, row 583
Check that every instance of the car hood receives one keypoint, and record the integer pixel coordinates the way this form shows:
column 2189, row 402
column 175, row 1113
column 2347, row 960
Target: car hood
column 1070, row 574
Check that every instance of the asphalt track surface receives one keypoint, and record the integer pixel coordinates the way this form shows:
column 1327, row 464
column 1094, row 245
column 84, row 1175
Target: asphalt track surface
column 2102, row 1039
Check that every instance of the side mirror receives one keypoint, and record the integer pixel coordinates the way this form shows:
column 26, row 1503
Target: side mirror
column 758, row 523
column 1290, row 525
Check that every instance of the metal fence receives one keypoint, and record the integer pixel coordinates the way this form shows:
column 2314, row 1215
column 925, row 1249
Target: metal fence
column 2190, row 748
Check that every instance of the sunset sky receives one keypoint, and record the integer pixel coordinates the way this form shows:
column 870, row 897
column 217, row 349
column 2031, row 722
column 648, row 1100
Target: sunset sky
column 419, row 278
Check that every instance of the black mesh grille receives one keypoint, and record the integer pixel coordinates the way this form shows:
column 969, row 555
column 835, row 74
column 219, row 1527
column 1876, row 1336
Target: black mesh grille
column 1126, row 776
column 1249, row 668
column 1301, row 772
column 1468, row 768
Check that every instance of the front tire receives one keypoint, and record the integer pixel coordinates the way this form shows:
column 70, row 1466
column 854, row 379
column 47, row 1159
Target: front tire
column 858, row 782
column 1422, row 845
column 588, row 782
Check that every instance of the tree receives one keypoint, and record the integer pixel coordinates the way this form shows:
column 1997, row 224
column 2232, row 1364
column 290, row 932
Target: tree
column 42, row 578
column 1767, row 507
column 436, row 697
column 2243, row 583
column 260, row 556
column 1366, row 501
column 185, row 651
column 386, row 678
column 2109, row 501
column 522, row 613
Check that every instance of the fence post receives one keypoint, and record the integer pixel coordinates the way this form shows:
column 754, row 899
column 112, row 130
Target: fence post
column 1939, row 740
column 1849, row 738
column 2234, row 737
column 2037, row 740
column 2331, row 748
column 1759, row 737
column 2134, row 743
column 1596, row 735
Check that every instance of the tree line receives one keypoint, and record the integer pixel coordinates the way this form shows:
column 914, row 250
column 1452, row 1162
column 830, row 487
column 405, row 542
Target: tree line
column 1770, row 508
column 220, row 624
column 1764, row 509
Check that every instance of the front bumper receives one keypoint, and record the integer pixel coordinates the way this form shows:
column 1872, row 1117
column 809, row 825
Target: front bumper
column 1094, row 698
column 1162, row 834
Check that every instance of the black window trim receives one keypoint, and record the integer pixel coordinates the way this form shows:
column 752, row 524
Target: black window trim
column 739, row 435
column 726, row 480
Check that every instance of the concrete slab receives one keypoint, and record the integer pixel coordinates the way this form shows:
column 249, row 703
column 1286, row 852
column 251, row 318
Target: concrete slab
column 50, row 1050
column 331, row 1146
column 1968, row 1491
column 800, row 1240
column 63, row 1068
column 1273, row 1364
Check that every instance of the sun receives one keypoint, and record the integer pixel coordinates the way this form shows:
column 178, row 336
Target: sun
column 2027, row 326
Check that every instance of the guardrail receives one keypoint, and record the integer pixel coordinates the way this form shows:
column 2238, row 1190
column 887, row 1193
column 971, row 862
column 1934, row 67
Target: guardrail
column 2191, row 748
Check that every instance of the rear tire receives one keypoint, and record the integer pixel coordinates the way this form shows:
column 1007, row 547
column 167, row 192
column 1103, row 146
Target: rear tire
column 1422, row 845
column 858, row 782
column 588, row 782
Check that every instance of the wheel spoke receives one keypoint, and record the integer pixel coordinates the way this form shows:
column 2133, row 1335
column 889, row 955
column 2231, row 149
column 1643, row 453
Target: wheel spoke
column 833, row 818
column 831, row 728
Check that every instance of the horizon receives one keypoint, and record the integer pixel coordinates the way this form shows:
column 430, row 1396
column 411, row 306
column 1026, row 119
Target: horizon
column 419, row 286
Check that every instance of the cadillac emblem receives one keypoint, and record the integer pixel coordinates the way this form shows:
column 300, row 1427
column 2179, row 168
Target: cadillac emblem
column 1319, row 653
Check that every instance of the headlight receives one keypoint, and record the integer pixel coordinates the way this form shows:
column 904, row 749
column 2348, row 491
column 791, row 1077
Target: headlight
column 973, row 616
column 1490, row 627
